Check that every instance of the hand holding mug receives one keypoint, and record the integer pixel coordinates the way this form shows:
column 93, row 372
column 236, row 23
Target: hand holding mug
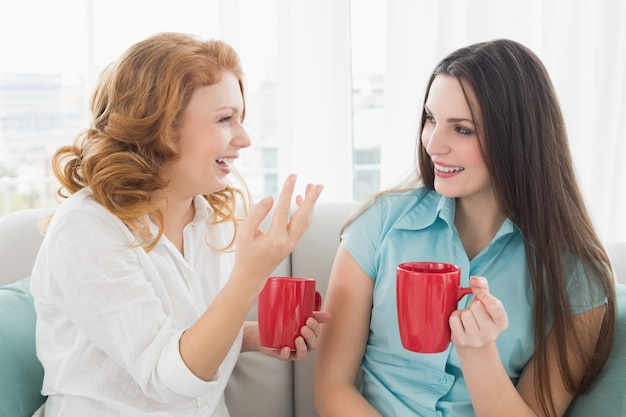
column 427, row 293
column 305, row 343
column 482, row 321
column 289, row 317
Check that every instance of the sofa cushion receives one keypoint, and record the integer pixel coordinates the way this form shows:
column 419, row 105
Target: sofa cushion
column 607, row 396
column 21, row 373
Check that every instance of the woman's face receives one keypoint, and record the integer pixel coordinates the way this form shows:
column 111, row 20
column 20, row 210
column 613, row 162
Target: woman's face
column 450, row 138
column 210, row 137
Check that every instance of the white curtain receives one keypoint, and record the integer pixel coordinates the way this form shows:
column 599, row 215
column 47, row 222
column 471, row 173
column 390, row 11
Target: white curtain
column 314, row 95
column 581, row 42
column 306, row 50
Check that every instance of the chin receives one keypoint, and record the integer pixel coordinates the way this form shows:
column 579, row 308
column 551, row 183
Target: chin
column 216, row 188
column 446, row 191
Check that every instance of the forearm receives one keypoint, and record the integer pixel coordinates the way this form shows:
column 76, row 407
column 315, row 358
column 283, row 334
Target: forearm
column 206, row 343
column 490, row 388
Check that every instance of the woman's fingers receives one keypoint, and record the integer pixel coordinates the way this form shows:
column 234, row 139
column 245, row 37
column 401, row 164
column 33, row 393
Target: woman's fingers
column 250, row 228
column 321, row 316
column 479, row 285
column 282, row 211
column 258, row 252
column 301, row 218
column 302, row 350
column 483, row 319
column 294, row 225
column 305, row 343
column 493, row 306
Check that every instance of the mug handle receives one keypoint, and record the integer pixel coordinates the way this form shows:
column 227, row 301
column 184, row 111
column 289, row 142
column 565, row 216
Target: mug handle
column 462, row 291
column 318, row 301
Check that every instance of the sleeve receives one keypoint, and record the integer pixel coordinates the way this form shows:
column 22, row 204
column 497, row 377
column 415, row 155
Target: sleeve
column 584, row 290
column 95, row 271
column 362, row 238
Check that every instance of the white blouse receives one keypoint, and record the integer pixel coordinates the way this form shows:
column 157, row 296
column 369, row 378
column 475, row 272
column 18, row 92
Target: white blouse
column 110, row 314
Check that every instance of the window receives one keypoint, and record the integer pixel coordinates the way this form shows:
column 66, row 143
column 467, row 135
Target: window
column 50, row 66
column 332, row 88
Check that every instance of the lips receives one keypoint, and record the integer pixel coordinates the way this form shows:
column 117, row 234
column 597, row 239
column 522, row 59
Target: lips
column 448, row 169
column 225, row 162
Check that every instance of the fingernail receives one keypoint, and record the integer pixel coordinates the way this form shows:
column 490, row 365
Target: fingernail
column 267, row 201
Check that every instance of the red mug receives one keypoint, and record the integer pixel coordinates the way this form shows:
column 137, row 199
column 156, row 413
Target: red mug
column 283, row 306
column 426, row 295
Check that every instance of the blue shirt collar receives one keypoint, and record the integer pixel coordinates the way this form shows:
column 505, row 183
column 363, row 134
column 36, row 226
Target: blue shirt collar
column 420, row 216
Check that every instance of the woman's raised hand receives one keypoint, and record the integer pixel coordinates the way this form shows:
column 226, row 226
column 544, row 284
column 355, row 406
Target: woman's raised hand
column 258, row 253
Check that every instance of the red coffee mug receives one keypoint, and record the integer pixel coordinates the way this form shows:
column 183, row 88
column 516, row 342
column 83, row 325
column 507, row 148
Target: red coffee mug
column 283, row 306
column 426, row 295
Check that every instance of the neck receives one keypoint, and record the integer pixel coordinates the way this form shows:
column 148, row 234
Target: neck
column 177, row 213
column 477, row 221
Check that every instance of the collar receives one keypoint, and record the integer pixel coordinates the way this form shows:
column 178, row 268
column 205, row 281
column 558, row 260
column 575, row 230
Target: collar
column 424, row 210
column 421, row 214
column 203, row 210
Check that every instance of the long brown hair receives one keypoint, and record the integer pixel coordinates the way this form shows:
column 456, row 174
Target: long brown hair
column 525, row 147
column 136, row 109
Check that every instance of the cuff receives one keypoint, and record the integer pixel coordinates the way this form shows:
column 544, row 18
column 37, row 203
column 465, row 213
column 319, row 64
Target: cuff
column 176, row 375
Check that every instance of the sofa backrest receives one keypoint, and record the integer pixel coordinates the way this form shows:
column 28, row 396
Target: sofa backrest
column 263, row 386
column 617, row 253
column 20, row 238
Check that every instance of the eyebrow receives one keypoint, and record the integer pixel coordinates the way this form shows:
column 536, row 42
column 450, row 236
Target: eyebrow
column 453, row 119
column 233, row 108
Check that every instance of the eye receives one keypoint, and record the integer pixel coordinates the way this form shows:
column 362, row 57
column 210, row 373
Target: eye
column 225, row 119
column 430, row 118
column 463, row 131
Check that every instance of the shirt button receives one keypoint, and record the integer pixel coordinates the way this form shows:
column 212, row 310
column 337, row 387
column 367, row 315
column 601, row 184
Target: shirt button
column 443, row 379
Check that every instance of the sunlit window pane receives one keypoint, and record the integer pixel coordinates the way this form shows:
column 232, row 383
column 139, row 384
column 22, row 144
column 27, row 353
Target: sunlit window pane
column 52, row 52
column 368, row 81
column 42, row 94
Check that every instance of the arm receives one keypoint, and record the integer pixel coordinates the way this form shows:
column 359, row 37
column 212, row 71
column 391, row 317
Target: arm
column 474, row 331
column 257, row 255
column 342, row 341
column 587, row 325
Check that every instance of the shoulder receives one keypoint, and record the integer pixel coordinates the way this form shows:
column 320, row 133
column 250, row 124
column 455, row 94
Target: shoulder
column 584, row 286
column 82, row 214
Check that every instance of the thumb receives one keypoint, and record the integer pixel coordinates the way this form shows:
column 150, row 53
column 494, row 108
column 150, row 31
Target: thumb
column 479, row 286
column 322, row 316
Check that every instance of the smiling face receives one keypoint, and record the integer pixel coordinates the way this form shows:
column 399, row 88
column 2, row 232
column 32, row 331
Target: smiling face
column 450, row 137
column 210, row 137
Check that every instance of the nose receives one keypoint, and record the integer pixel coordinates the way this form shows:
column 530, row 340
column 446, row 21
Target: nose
column 241, row 138
column 434, row 141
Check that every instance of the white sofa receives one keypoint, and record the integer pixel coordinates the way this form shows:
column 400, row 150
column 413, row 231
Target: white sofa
column 264, row 387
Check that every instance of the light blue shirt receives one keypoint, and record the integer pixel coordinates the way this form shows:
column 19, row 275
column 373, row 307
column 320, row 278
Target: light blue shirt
column 419, row 226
